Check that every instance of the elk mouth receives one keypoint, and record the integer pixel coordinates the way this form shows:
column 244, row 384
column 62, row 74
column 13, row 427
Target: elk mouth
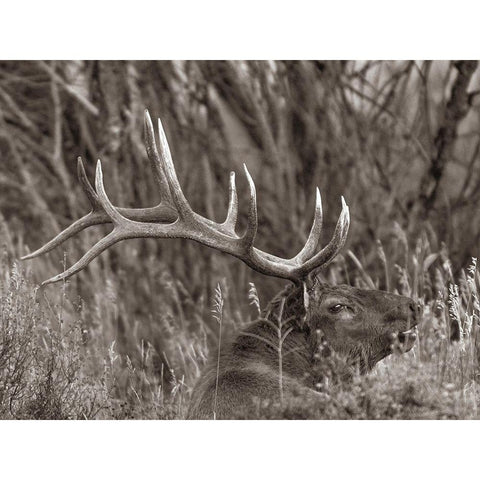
column 406, row 338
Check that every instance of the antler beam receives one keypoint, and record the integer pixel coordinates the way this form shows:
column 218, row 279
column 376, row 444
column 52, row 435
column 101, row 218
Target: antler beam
column 174, row 218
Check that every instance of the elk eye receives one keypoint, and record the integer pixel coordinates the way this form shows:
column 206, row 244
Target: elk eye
column 338, row 308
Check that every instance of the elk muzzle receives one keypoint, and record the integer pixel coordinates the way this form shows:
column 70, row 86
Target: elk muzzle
column 404, row 319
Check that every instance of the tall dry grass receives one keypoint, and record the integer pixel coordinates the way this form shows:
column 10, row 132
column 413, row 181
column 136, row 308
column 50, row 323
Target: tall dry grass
column 62, row 358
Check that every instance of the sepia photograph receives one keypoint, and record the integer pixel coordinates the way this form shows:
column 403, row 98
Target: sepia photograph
column 339, row 204
column 227, row 258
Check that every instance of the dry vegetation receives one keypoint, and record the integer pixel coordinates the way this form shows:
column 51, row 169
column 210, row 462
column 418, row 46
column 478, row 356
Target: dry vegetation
column 127, row 337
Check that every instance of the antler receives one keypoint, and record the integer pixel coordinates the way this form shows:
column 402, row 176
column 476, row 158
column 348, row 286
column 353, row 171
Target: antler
column 185, row 223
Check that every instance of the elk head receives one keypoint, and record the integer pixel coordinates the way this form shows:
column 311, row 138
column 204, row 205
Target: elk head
column 363, row 325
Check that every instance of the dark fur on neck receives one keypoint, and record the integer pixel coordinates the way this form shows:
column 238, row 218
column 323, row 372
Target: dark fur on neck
column 286, row 350
column 284, row 317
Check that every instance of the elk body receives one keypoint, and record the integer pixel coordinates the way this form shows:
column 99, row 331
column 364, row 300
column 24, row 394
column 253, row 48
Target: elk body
column 361, row 325
column 276, row 355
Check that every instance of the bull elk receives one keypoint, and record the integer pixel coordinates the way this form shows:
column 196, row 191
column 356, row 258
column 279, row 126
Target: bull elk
column 359, row 324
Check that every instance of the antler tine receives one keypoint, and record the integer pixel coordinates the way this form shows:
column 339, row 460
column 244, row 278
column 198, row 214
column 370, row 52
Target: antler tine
column 327, row 254
column 155, row 160
column 81, row 224
column 86, row 185
column 252, row 221
column 183, row 208
column 120, row 231
column 116, row 218
column 231, row 220
column 94, row 252
column 92, row 218
column 113, row 237
column 162, row 212
column 158, row 213
column 314, row 236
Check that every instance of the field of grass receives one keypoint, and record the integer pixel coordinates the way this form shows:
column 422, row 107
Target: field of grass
column 129, row 335
column 62, row 358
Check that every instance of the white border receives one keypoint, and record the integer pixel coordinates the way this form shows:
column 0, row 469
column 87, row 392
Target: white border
column 239, row 450
column 241, row 30
column 250, row 29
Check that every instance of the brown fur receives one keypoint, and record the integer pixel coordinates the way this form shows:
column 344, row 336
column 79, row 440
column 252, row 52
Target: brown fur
column 249, row 365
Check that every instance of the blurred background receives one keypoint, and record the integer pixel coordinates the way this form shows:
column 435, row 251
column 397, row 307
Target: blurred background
column 400, row 140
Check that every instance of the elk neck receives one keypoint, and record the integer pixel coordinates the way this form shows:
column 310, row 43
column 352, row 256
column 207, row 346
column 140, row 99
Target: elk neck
column 282, row 333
